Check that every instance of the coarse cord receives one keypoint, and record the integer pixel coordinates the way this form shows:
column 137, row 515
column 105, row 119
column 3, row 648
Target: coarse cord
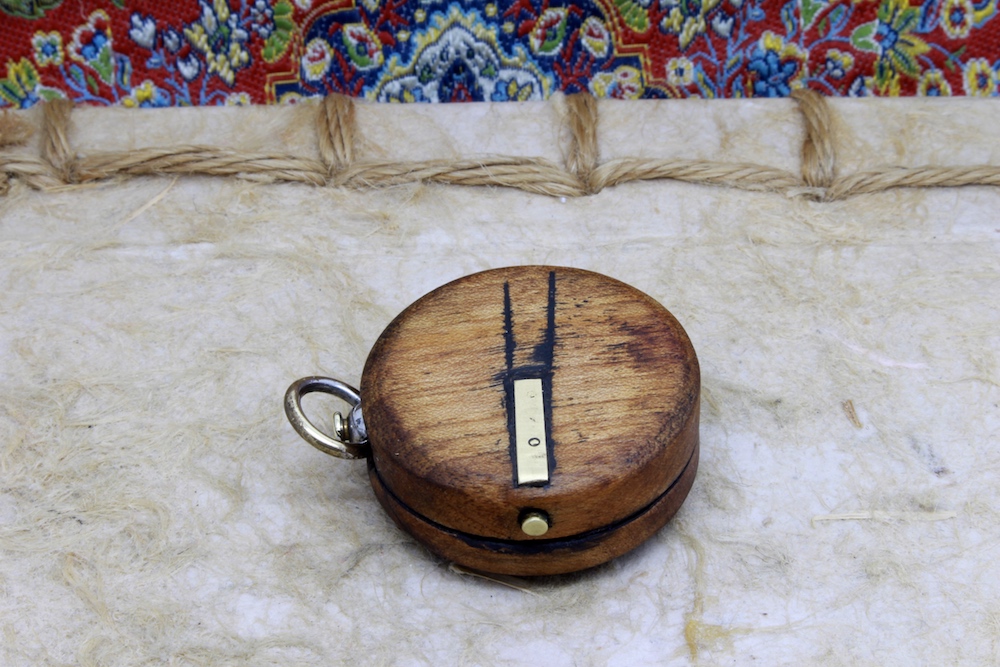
column 583, row 173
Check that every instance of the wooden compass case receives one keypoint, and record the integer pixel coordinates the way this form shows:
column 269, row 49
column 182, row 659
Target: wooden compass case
column 532, row 420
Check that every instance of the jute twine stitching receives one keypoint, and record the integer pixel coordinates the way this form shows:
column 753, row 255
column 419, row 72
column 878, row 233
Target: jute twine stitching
column 583, row 173
column 56, row 150
column 336, row 130
column 818, row 159
column 581, row 161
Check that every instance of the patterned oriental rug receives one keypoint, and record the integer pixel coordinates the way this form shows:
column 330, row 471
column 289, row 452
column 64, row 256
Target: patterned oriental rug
column 190, row 53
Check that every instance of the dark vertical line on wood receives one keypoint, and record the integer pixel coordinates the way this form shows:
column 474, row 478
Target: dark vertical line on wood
column 508, row 328
column 550, row 330
column 550, row 348
column 545, row 350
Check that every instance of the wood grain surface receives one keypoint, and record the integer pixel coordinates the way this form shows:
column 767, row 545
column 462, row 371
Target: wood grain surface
column 540, row 557
column 621, row 386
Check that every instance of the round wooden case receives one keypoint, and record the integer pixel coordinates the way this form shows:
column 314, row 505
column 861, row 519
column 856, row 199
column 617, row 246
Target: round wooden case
column 532, row 420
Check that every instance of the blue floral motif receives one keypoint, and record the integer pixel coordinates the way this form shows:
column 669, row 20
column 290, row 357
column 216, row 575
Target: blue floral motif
column 774, row 75
column 91, row 50
column 48, row 48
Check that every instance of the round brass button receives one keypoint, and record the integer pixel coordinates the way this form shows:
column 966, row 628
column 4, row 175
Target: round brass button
column 535, row 524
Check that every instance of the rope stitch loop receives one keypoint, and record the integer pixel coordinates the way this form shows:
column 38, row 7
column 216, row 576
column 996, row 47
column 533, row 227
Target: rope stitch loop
column 337, row 134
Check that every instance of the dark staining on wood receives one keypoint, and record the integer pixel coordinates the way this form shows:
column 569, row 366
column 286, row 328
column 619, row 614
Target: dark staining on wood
column 646, row 345
column 508, row 329
column 543, row 355
column 674, row 421
column 545, row 350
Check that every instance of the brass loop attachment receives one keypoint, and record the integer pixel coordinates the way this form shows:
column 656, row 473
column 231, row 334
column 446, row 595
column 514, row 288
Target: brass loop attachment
column 351, row 438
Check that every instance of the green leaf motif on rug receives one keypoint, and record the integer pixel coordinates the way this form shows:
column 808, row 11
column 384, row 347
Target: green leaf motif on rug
column 284, row 27
column 863, row 37
column 810, row 8
column 29, row 9
column 633, row 15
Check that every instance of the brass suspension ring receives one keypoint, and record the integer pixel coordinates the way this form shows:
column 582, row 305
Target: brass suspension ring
column 351, row 438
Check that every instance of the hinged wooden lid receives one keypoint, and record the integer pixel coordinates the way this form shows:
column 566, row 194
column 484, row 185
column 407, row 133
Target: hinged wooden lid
column 620, row 385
